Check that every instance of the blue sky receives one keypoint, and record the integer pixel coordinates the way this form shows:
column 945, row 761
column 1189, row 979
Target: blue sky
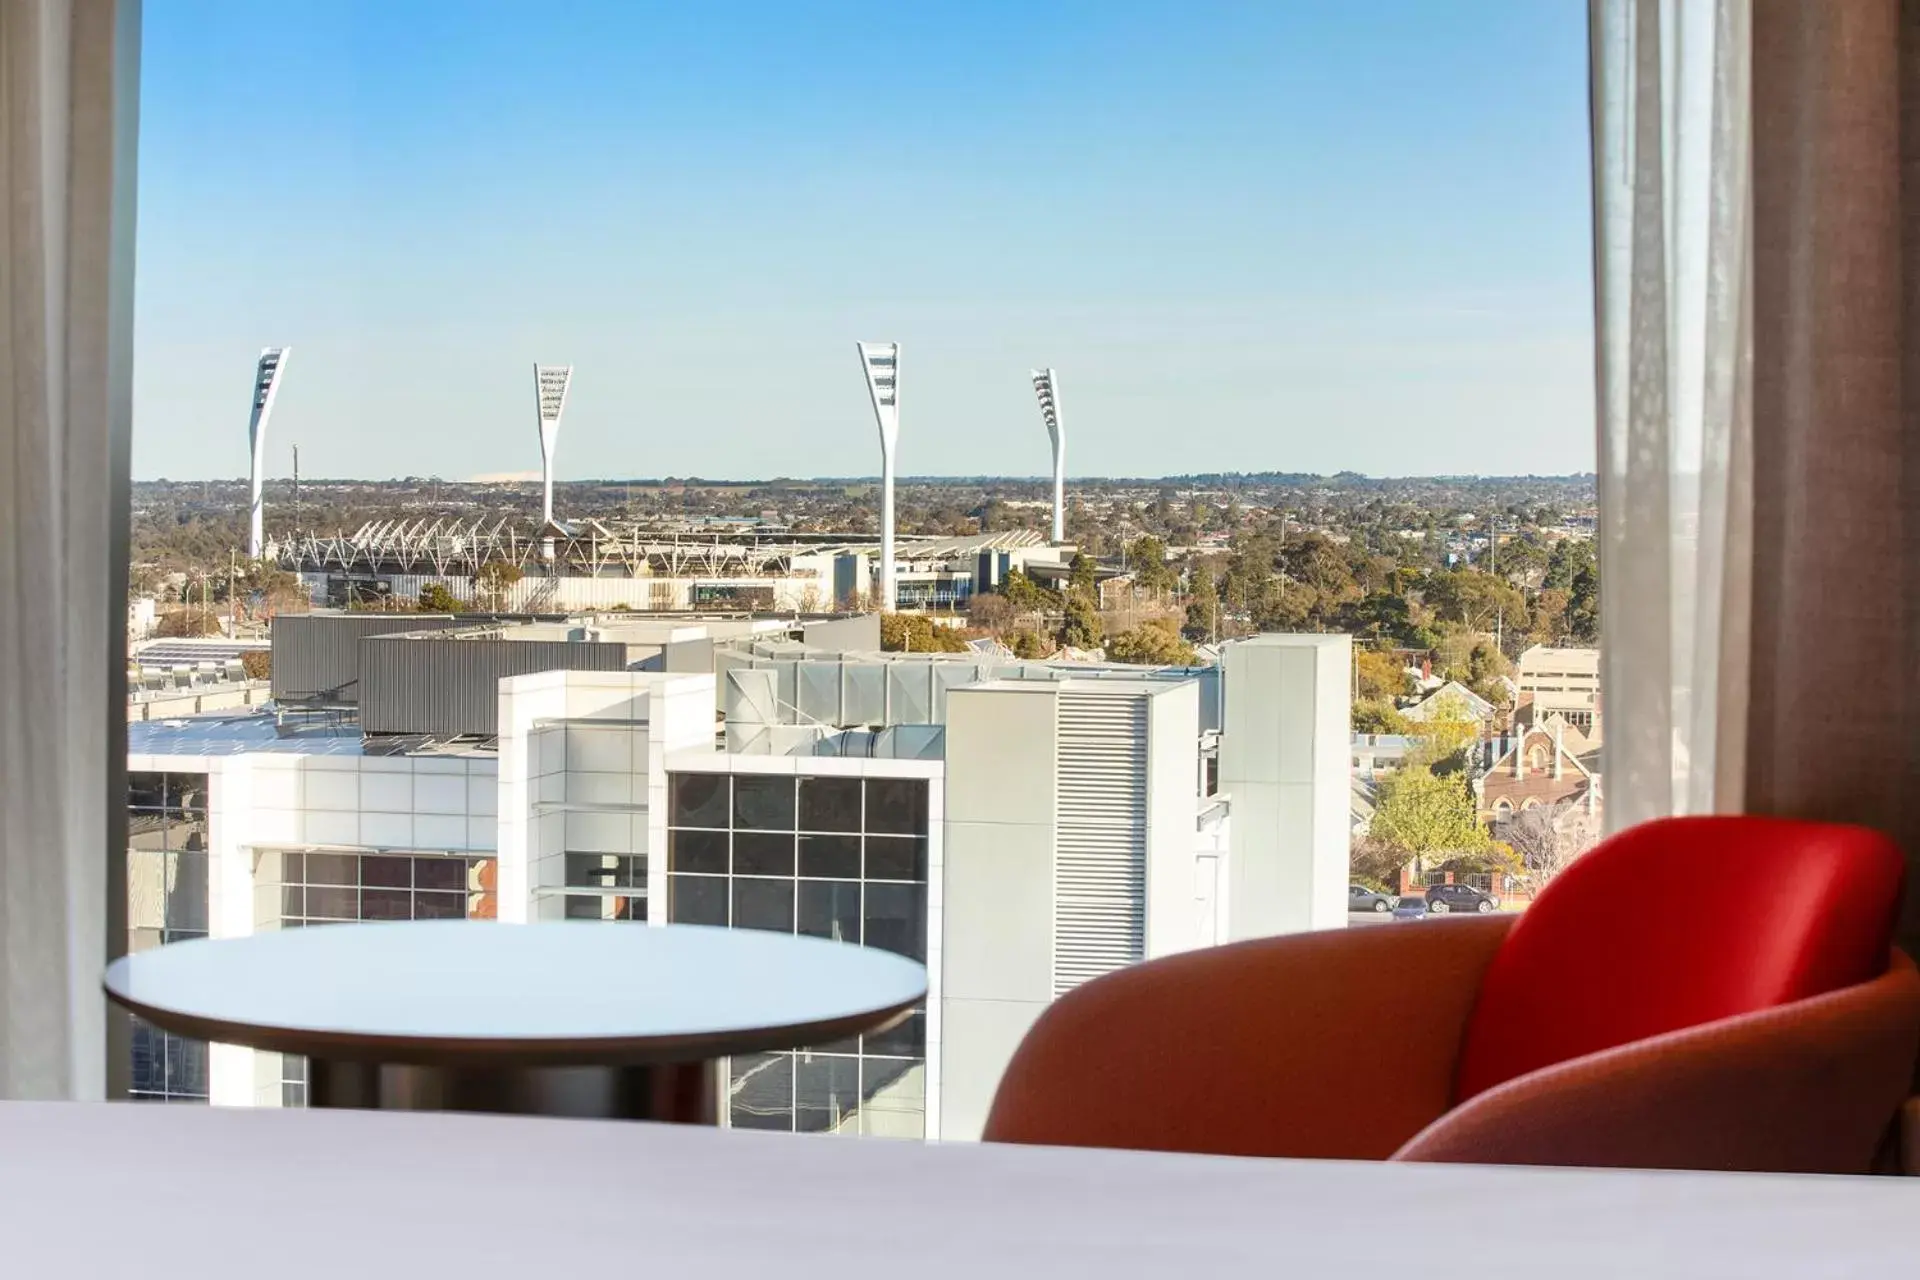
column 1276, row 235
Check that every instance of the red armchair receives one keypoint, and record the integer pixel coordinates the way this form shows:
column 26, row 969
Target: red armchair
column 1700, row 993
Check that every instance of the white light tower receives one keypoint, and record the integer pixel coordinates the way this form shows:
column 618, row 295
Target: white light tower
column 550, row 383
column 880, row 362
column 1046, row 386
column 266, row 385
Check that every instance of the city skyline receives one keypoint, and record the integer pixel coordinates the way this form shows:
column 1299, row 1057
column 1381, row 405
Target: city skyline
column 1250, row 239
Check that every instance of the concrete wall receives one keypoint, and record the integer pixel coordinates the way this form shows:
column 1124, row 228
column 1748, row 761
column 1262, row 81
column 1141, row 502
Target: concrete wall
column 1285, row 752
column 1173, row 806
column 997, row 896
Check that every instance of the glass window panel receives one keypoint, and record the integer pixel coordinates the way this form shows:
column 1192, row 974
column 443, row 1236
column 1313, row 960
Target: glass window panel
column 763, row 904
column 333, row 868
column 186, row 892
column 596, row 871
column 583, row 906
column 439, row 906
column 762, row 853
column 697, row 851
column 850, row 1046
column 698, row 800
column 830, row 857
column 697, row 900
column 762, row 804
column 897, row 858
column 826, row 1093
column 830, row 909
column 188, row 792
column 386, row 904
column 896, row 919
column 146, row 790
column 760, row 1092
column 326, row 902
column 293, row 867
column 440, row 873
column 908, row 1040
column 897, row 806
column 293, row 901
column 829, row 804
column 386, row 872
column 481, row 873
column 893, row 1098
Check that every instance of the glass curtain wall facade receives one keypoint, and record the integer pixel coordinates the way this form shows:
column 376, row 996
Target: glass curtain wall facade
column 298, row 888
column 166, row 902
column 828, row 857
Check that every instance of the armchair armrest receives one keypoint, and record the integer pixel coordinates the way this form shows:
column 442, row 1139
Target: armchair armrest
column 1339, row 1044
column 1808, row 1087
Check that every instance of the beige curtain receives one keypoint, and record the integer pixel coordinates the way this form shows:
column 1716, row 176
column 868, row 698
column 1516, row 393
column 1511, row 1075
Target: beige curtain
column 68, row 73
column 1761, row 503
column 1673, row 288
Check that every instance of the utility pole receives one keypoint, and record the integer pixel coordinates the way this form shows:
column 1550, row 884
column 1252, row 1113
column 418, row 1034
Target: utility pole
column 233, row 573
column 296, row 486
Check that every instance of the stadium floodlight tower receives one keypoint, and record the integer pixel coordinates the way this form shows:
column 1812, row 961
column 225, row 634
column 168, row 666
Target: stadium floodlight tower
column 266, row 385
column 550, row 383
column 880, row 362
column 1046, row 386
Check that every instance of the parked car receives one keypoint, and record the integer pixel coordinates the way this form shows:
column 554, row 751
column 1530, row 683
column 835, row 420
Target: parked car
column 1411, row 907
column 1361, row 898
column 1442, row 898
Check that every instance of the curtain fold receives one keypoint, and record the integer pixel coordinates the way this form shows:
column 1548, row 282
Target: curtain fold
column 1673, row 321
column 68, row 73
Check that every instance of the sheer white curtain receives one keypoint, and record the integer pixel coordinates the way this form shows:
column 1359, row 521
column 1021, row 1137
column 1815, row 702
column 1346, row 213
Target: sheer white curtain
column 1673, row 264
column 67, row 104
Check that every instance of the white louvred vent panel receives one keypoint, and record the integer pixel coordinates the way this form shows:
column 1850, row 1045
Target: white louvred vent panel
column 1101, row 844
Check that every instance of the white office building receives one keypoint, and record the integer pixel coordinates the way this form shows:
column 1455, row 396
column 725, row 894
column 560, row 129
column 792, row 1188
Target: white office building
column 1019, row 827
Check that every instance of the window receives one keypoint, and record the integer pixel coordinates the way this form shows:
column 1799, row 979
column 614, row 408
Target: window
column 167, row 867
column 826, row 857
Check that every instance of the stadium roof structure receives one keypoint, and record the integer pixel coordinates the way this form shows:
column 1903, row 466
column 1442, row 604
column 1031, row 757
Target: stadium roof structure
column 593, row 548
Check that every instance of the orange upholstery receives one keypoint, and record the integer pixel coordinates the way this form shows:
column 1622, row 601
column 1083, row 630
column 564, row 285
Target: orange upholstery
column 1408, row 1041
column 1808, row 1087
column 1339, row 1045
column 1611, row 953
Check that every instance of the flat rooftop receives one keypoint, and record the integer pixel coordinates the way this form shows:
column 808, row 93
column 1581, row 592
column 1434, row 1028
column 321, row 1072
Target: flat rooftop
column 263, row 732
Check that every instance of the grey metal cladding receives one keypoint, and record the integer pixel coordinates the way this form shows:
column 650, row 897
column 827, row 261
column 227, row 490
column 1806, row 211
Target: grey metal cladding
column 317, row 659
column 451, row 688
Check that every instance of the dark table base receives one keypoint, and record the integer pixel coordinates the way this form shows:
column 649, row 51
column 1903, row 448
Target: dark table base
column 677, row 1092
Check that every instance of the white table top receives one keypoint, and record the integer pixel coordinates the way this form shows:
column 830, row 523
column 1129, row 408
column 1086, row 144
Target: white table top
column 209, row 1193
column 581, row 992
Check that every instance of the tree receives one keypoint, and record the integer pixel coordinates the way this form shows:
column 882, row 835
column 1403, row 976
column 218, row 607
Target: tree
column 1380, row 676
column 1425, row 815
column 916, row 633
column 1371, row 715
column 1026, row 595
column 1080, row 624
column 1546, row 839
column 1025, row 644
column 1155, row 642
column 1583, row 606
column 435, row 598
column 1448, row 732
column 1147, row 557
column 991, row 611
column 257, row 663
column 1081, row 579
column 187, row 623
column 1203, row 609
column 495, row 581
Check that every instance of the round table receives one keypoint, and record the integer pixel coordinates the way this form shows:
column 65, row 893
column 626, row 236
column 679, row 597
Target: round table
column 578, row 1018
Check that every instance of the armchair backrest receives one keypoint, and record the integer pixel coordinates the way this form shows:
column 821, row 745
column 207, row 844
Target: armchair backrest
column 1680, row 922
